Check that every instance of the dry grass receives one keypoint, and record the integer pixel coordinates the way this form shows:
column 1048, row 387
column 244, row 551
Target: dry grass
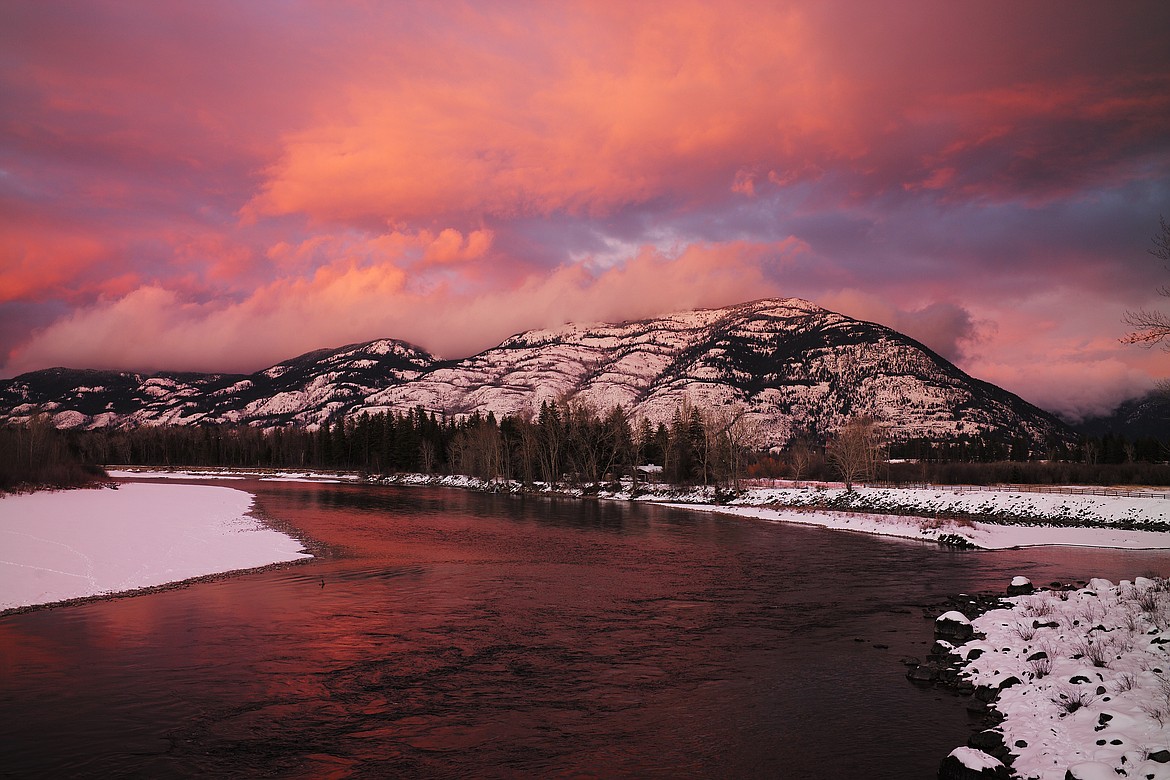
column 1036, row 607
column 1024, row 631
column 1041, row 667
column 1072, row 700
column 1159, row 707
column 1098, row 652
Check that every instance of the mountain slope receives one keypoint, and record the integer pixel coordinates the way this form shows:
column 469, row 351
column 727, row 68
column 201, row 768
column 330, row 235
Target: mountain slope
column 792, row 365
column 789, row 365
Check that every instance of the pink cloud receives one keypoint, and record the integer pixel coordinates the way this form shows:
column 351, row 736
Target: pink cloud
column 1072, row 387
column 36, row 264
column 450, row 246
column 946, row 327
column 1059, row 348
column 154, row 328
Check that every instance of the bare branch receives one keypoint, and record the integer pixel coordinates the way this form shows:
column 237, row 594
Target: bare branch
column 1161, row 248
column 1152, row 327
column 856, row 449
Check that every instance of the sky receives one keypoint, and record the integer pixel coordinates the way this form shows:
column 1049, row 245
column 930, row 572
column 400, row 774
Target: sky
column 218, row 186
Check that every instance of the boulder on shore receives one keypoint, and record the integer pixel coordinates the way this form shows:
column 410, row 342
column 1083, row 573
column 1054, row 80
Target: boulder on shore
column 953, row 627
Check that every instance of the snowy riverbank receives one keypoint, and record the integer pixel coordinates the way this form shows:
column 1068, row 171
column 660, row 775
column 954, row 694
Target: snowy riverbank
column 1081, row 678
column 61, row 545
column 264, row 475
column 962, row 517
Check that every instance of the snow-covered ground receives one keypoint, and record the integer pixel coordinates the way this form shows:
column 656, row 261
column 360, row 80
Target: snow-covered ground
column 985, row 519
column 74, row 543
column 262, row 475
column 1092, row 670
column 993, row 505
column 987, row 536
column 970, row 517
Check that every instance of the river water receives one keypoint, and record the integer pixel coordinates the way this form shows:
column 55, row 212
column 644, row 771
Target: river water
column 446, row 633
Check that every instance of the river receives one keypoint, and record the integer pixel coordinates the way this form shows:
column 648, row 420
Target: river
column 445, row 633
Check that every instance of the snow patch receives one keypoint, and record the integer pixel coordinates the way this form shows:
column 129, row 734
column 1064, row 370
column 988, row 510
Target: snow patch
column 71, row 544
column 975, row 759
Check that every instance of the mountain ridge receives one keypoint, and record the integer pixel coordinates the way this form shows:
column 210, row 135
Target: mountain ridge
column 788, row 364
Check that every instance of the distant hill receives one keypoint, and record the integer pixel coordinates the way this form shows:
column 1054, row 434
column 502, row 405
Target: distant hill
column 788, row 364
column 1137, row 418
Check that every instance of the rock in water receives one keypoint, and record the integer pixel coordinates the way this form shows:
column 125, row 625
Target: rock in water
column 1021, row 586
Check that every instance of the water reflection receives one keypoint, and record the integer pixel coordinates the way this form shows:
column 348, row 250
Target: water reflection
column 453, row 634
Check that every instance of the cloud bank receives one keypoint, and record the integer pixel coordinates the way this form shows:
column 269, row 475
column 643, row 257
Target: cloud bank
column 219, row 187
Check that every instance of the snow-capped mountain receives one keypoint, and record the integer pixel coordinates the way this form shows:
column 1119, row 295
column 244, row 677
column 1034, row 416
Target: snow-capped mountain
column 787, row 364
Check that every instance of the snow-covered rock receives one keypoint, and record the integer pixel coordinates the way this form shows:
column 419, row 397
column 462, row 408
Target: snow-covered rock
column 965, row 763
column 1020, row 586
column 953, row 627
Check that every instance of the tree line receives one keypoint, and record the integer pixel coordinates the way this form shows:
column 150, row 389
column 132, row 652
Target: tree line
column 563, row 442
column 38, row 455
column 574, row 442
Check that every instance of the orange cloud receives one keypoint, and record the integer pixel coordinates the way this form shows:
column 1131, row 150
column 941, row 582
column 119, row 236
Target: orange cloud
column 648, row 101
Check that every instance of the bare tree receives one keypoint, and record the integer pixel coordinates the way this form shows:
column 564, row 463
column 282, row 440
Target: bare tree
column 427, row 454
column 800, row 455
column 856, row 450
column 730, row 435
column 1153, row 327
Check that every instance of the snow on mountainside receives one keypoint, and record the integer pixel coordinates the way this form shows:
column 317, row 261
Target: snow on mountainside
column 788, row 364
column 304, row 390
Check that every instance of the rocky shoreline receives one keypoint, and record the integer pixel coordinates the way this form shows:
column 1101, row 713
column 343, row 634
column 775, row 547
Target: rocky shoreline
column 1073, row 680
column 943, row 669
